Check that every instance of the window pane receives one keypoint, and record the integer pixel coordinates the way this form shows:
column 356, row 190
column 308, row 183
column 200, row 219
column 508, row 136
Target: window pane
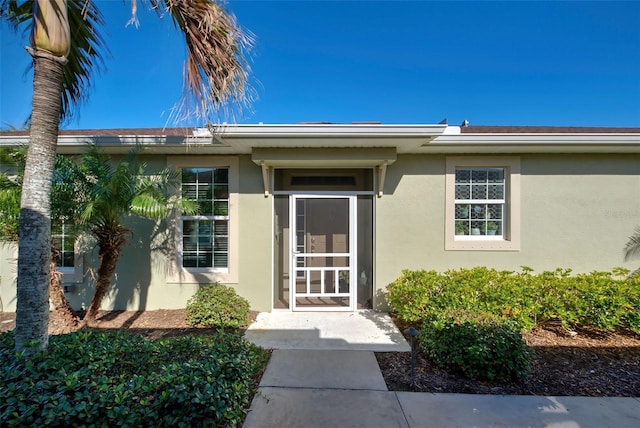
column 190, row 191
column 205, row 191
column 495, row 211
column 222, row 227
column 205, row 244
column 221, row 175
column 496, row 175
column 479, row 192
column 462, row 211
column 67, row 259
column 206, row 208
column 463, row 191
column 221, row 191
column 204, row 227
column 205, row 175
column 189, row 260
column 494, row 227
column 221, row 260
column 462, row 227
column 205, row 260
column 221, row 208
column 188, row 175
column 496, row 191
column 477, row 227
column 477, row 211
column 221, row 244
column 189, row 227
column 67, row 244
column 479, row 176
column 463, row 176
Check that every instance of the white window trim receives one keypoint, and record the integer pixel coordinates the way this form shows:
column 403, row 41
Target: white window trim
column 181, row 275
column 510, row 240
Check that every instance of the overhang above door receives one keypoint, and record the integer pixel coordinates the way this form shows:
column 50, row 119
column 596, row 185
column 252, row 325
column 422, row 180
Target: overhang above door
column 375, row 157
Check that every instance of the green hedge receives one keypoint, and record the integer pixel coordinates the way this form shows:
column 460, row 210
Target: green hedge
column 604, row 300
column 217, row 305
column 479, row 346
column 112, row 379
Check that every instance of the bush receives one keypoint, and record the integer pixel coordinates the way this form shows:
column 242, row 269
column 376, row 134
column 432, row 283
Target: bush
column 112, row 379
column 477, row 345
column 217, row 305
column 599, row 299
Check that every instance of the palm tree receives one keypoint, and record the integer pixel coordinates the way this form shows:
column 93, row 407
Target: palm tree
column 113, row 193
column 49, row 48
column 64, row 199
column 215, row 75
column 632, row 249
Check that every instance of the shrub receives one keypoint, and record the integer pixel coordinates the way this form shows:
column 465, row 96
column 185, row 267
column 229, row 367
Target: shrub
column 217, row 305
column 95, row 378
column 477, row 345
column 598, row 299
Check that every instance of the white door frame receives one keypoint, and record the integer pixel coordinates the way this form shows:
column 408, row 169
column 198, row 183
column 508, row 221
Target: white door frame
column 351, row 256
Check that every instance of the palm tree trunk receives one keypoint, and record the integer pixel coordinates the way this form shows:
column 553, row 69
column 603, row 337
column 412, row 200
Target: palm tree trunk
column 110, row 244
column 59, row 300
column 34, row 247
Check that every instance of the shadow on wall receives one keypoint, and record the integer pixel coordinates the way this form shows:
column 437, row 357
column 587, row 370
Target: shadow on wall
column 129, row 289
column 381, row 303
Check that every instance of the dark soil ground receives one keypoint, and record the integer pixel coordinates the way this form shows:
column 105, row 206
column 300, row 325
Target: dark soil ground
column 565, row 363
column 576, row 363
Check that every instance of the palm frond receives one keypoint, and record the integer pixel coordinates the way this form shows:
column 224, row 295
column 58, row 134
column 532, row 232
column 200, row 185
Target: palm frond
column 16, row 14
column 217, row 70
column 185, row 206
column 632, row 249
column 149, row 206
column 14, row 157
column 88, row 47
column 8, row 183
column 86, row 58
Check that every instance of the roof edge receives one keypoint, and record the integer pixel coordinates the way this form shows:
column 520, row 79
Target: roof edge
column 511, row 129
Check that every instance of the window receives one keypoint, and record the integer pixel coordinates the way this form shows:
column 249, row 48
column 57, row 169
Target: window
column 68, row 258
column 482, row 203
column 64, row 243
column 205, row 248
column 205, row 237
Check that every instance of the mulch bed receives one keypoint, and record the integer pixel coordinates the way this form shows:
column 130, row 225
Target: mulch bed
column 583, row 363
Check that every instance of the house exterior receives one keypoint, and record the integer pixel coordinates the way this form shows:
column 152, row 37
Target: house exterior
column 321, row 217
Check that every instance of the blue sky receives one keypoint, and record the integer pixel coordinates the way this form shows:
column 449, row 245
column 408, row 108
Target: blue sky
column 555, row 63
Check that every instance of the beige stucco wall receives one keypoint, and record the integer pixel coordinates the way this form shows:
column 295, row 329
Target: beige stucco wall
column 139, row 282
column 577, row 211
column 8, row 257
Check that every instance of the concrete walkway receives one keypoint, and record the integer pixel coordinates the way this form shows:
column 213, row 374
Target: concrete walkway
column 361, row 330
column 344, row 388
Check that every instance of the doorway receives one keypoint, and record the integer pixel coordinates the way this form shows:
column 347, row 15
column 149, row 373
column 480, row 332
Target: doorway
column 323, row 247
column 322, row 252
